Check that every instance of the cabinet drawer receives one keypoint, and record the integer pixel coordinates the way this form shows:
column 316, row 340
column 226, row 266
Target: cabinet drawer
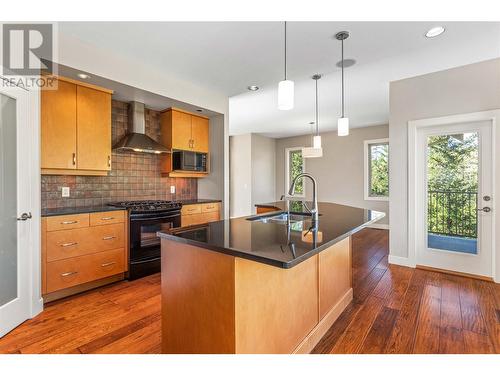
column 210, row 207
column 107, row 217
column 191, row 209
column 211, row 216
column 66, row 273
column 76, row 242
column 67, row 222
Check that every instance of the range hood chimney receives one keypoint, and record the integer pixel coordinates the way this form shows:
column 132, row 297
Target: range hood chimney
column 136, row 138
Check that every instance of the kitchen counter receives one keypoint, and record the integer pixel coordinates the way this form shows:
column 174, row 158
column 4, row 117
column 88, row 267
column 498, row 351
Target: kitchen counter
column 78, row 210
column 253, row 286
column 187, row 202
column 269, row 242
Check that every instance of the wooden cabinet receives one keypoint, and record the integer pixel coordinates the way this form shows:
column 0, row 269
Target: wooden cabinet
column 58, row 132
column 80, row 249
column 75, row 129
column 196, row 214
column 182, row 130
column 93, row 119
column 199, row 134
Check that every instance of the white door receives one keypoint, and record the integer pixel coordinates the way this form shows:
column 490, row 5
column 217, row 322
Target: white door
column 17, row 245
column 453, row 191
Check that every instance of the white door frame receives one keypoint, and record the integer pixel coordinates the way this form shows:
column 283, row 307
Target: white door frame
column 28, row 176
column 413, row 126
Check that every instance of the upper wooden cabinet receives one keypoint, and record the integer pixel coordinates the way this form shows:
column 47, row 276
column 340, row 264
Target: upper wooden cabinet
column 184, row 131
column 58, row 132
column 93, row 119
column 76, row 129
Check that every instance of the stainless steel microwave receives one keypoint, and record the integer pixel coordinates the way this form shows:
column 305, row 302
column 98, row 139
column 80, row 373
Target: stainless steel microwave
column 189, row 161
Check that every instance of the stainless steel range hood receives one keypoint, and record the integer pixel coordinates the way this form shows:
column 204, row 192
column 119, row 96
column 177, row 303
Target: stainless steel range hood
column 136, row 138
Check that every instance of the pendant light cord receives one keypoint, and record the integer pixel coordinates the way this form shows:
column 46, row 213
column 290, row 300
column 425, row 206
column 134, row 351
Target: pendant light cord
column 285, row 52
column 342, row 64
column 317, row 124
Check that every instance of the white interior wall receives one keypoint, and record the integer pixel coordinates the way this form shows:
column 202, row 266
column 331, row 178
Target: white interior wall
column 465, row 89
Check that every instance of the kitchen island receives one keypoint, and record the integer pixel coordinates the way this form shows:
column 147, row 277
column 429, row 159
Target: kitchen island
column 260, row 284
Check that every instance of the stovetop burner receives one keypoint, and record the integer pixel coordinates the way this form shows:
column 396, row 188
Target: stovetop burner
column 148, row 206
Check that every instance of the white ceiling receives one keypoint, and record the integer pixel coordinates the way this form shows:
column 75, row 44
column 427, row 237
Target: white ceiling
column 229, row 56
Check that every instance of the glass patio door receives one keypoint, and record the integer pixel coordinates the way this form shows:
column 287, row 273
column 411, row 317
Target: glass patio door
column 14, row 232
column 455, row 178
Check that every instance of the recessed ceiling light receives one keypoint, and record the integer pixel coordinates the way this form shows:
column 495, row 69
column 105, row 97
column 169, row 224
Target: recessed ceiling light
column 435, row 31
column 199, row 110
column 253, row 88
column 311, row 123
column 83, row 75
column 347, row 63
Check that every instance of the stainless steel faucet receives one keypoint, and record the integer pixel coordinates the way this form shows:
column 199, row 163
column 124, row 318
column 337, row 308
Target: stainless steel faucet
column 314, row 211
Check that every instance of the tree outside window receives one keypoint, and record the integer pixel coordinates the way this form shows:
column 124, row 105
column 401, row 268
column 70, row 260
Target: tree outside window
column 377, row 169
column 295, row 166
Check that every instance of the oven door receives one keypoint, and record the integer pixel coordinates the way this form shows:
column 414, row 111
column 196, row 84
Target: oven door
column 144, row 243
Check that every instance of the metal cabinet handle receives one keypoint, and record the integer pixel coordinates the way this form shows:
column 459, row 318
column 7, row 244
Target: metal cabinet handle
column 107, row 264
column 69, row 244
column 69, row 222
column 68, row 273
column 24, row 216
column 107, row 218
column 484, row 209
column 74, row 158
column 108, row 238
column 109, row 161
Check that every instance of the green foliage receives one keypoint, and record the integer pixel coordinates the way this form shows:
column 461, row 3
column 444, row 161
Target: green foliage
column 379, row 170
column 452, row 181
column 296, row 162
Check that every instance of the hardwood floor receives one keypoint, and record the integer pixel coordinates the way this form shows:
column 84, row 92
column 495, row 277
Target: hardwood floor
column 395, row 310
column 403, row 310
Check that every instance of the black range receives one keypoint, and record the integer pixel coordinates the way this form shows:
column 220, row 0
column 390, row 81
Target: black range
column 146, row 219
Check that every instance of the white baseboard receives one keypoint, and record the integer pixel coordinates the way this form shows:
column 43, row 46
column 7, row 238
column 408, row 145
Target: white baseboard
column 378, row 226
column 401, row 261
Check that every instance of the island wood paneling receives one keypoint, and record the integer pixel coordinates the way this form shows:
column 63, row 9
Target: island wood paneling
column 275, row 308
column 197, row 300
column 334, row 275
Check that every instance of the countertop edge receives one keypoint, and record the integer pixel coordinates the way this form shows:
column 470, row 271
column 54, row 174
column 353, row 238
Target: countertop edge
column 50, row 212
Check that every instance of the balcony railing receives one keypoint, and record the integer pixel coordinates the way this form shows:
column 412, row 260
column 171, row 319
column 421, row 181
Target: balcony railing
column 452, row 213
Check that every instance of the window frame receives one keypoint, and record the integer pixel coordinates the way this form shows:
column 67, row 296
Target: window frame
column 287, row 171
column 367, row 180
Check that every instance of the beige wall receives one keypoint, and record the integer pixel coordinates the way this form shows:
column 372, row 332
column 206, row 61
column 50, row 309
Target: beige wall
column 252, row 171
column 339, row 172
column 470, row 88
column 263, row 169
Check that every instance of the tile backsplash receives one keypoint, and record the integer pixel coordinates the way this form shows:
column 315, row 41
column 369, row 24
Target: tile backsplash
column 134, row 176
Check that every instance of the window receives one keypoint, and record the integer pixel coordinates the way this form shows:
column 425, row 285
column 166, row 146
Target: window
column 294, row 165
column 377, row 169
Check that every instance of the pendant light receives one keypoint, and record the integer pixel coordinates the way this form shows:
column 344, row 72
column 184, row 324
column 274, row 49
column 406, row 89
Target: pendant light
column 316, row 150
column 285, row 89
column 343, row 122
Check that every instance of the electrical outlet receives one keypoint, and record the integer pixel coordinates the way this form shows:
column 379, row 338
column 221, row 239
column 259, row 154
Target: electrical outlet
column 65, row 192
column 172, row 189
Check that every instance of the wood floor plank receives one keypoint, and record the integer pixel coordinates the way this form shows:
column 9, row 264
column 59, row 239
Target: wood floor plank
column 477, row 344
column 450, row 304
column 428, row 323
column 486, row 299
column 403, row 335
column 337, row 329
column 364, row 289
column 472, row 318
column 379, row 333
column 451, row 340
column 355, row 334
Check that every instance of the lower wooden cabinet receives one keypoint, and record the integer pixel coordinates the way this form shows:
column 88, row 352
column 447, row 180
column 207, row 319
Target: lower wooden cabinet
column 196, row 214
column 82, row 248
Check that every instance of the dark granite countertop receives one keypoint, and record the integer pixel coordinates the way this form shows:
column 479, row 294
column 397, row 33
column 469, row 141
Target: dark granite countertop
column 186, row 202
column 78, row 210
column 269, row 242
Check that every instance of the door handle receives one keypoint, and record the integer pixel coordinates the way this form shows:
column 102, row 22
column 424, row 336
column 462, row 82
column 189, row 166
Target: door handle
column 25, row 216
column 484, row 209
